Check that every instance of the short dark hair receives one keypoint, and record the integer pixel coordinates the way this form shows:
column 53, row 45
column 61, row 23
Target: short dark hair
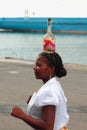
column 55, row 60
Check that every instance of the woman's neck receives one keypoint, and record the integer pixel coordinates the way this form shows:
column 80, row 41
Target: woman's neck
column 46, row 80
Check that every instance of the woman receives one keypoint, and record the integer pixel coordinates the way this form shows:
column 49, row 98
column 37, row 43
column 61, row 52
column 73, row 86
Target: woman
column 47, row 109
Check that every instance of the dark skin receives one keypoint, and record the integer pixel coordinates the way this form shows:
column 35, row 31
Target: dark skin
column 44, row 72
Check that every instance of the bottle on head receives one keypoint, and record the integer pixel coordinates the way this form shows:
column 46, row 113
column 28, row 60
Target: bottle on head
column 49, row 38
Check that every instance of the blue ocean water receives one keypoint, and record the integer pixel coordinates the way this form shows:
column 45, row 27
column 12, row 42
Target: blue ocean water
column 71, row 47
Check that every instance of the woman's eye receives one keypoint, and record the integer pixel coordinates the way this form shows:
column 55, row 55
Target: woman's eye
column 38, row 64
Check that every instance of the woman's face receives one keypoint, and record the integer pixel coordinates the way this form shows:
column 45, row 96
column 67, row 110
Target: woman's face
column 42, row 70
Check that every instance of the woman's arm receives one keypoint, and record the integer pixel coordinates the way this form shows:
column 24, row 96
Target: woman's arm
column 47, row 122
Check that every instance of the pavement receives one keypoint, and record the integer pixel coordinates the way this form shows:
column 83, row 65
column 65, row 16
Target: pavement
column 17, row 82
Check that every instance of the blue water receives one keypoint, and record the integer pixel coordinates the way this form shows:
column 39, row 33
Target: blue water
column 72, row 48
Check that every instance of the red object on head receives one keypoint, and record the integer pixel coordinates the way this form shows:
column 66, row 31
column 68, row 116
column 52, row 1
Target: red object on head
column 49, row 45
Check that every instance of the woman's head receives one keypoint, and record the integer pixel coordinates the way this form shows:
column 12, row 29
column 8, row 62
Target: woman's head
column 49, row 65
column 55, row 60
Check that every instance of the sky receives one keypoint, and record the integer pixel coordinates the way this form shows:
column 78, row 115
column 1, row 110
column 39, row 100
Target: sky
column 45, row 8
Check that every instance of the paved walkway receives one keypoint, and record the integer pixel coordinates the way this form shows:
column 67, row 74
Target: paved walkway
column 17, row 82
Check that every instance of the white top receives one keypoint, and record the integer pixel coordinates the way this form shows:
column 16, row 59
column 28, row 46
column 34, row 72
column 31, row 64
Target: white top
column 51, row 93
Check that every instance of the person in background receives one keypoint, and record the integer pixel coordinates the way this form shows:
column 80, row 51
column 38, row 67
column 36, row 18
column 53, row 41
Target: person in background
column 47, row 109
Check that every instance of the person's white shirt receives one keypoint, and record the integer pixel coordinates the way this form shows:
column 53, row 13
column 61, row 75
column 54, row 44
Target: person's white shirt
column 51, row 93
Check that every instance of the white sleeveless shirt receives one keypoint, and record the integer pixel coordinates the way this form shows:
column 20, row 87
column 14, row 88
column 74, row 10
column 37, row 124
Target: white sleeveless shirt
column 51, row 93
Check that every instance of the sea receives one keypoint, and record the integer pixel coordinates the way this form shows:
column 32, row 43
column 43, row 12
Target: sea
column 25, row 45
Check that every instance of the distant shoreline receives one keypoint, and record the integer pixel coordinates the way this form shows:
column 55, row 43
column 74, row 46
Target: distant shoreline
column 44, row 31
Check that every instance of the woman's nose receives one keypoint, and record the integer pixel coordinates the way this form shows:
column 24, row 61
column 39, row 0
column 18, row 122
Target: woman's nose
column 34, row 67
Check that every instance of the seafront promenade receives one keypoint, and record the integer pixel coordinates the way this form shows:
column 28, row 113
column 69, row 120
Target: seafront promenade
column 17, row 82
